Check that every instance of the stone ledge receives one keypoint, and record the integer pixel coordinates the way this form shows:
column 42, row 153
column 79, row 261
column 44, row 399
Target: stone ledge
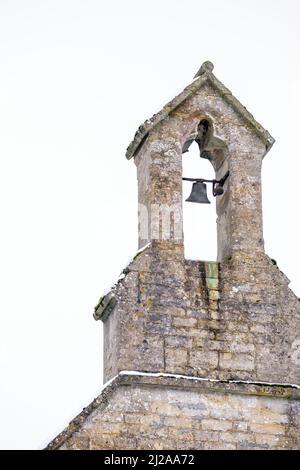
column 173, row 381
column 209, row 385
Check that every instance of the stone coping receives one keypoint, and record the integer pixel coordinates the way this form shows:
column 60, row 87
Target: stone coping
column 173, row 381
column 206, row 77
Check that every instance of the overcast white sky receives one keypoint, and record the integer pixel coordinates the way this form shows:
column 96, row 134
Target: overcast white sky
column 77, row 78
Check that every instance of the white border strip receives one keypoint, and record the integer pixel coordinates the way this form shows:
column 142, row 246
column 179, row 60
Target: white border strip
column 199, row 379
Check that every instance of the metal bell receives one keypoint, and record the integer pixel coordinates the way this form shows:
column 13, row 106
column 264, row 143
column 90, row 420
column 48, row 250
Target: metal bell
column 199, row 193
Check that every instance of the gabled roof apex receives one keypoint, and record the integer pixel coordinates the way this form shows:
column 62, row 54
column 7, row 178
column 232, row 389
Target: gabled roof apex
column 204, row 75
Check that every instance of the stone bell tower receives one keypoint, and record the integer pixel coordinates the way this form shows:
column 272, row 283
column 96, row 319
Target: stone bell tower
column 197, row 354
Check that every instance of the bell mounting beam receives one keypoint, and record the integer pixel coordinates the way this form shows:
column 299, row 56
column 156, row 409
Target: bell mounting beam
column 217, row 184
column 203, row 180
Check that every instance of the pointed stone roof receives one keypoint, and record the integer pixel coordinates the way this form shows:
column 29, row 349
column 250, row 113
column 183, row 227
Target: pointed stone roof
column 205, row 76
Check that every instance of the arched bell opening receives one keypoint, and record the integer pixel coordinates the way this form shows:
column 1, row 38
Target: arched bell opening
column 199, row 203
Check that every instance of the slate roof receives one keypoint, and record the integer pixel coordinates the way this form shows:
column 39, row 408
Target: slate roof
column 205, row 76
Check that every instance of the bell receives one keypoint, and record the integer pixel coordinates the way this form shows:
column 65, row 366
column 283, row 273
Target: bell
column 198, row 193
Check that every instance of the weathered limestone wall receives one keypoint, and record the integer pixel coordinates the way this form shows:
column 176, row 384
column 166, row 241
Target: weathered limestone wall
column 233, row 146
column 235, row 320
column 232, row 319
column 172, row 413
column 214, row 322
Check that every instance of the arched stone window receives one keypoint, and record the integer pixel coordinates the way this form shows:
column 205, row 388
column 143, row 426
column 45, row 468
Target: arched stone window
column 203, row 155
column 199, row 220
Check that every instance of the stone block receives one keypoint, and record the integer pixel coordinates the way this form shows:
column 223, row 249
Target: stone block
column 216, row 424
column 178, row 341
column 185, row 322
column 234, row 361
column 175, row 358
column 267, row 428
column 204, row 359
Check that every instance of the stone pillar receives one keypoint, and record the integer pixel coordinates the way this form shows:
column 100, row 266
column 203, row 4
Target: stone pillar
column 159, row 173
column 239, row 209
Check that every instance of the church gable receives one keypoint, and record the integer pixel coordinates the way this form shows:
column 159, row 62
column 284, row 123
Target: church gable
column 205, row 80
column 197, row 354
